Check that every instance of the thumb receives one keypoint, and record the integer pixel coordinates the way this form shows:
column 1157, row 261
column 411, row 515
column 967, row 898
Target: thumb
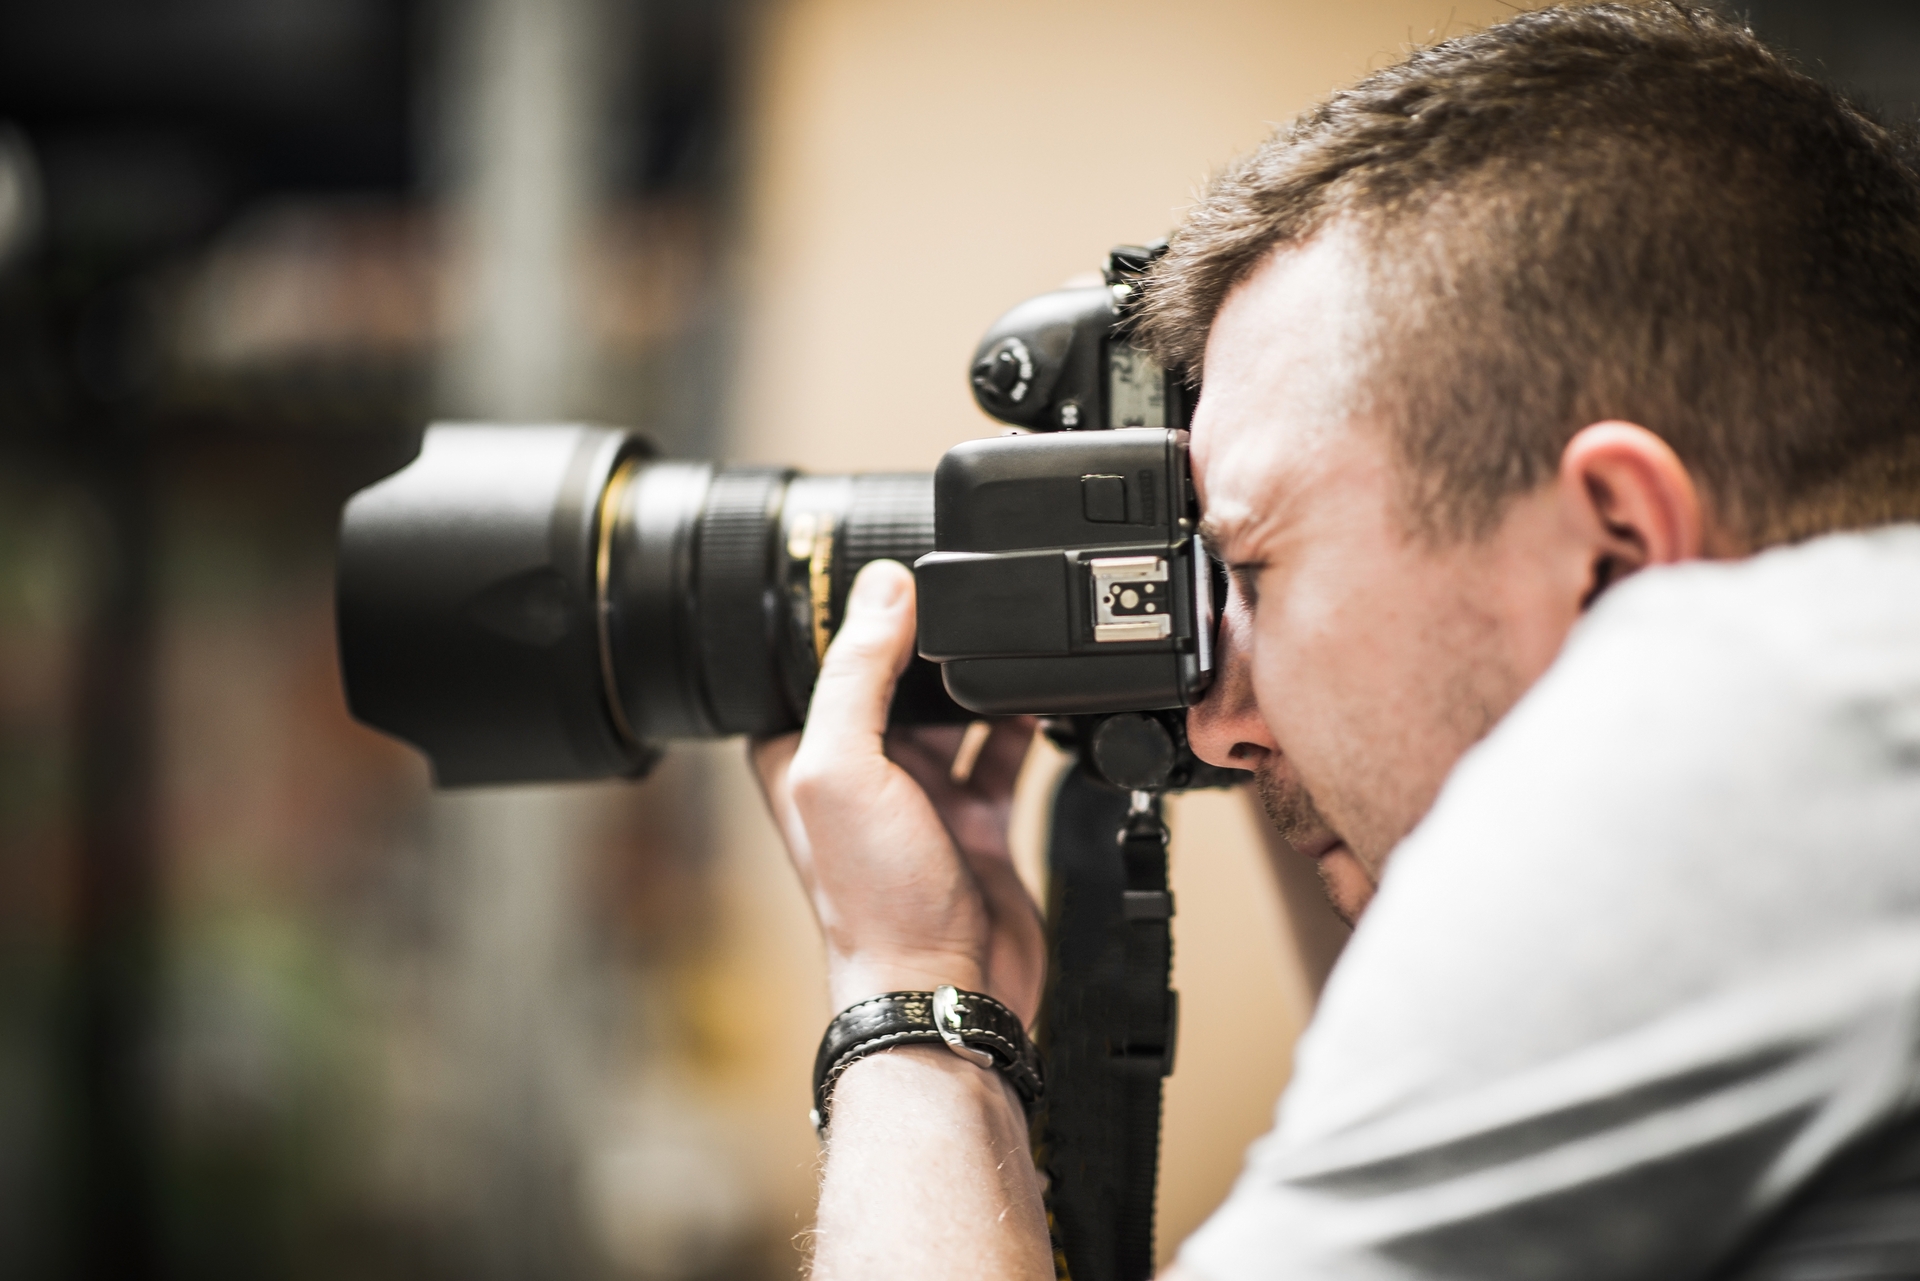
column 874, row 645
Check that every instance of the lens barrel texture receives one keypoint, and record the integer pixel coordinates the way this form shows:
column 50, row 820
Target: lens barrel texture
column 891, row 517
column 735, row 603
column 721, row 590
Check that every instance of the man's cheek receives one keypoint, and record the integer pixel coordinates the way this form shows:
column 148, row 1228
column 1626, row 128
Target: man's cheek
column 1297, row 676
column 1316, row 710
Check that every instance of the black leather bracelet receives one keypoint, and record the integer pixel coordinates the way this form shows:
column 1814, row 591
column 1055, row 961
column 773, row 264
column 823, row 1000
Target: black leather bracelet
column 974, row 1026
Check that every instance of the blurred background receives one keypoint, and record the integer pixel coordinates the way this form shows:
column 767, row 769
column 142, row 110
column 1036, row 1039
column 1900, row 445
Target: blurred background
column 268, row 1006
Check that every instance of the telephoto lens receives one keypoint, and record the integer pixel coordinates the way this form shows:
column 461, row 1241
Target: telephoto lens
column 548, row 603
column 556, row 602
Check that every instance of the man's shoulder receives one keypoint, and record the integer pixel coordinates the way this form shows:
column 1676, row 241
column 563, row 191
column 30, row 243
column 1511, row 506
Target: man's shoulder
column 1809, row 605
column 1723, row 766
column 1695, row 688
column 1726, row 669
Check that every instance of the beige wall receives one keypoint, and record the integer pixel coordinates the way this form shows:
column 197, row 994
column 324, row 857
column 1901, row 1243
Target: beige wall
column 917, row 168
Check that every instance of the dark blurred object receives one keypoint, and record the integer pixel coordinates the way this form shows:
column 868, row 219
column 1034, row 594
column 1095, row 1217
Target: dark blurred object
column 222, row 296
column 290, row 95
column 151, row 125
column 1870, row 48
column 20, row 195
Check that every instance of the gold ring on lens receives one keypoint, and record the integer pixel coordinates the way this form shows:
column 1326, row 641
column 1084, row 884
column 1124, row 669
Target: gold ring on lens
column 603, row 598
column 820, row 584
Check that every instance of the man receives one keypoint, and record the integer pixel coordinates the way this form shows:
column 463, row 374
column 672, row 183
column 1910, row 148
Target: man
column 1541, row 372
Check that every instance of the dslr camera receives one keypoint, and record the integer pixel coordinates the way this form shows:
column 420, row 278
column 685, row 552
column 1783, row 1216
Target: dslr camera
column 545, row 603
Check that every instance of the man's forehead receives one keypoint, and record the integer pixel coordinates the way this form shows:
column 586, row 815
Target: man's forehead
column 1243, row 501
column 1283, row 360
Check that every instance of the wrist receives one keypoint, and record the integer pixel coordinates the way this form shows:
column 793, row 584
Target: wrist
column 880, row 1084
column 975, row 1030
column 856, row 977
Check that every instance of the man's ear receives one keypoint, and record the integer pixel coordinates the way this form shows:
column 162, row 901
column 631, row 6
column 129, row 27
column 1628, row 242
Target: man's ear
column 1632, row 499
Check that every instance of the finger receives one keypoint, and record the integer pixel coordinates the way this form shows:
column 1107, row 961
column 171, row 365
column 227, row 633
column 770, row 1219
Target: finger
column 926, row 753
column 1017, row 958
column 1006, row 895
column 934, row 742
column 848, row 713
column 998, row 768
column 770, row 757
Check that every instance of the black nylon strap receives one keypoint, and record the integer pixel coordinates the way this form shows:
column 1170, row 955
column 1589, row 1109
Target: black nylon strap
column 1107, row 1028
column 906, row 1018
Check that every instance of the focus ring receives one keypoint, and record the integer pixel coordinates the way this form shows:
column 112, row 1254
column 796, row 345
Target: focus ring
column 733, row 585
column 889, row 517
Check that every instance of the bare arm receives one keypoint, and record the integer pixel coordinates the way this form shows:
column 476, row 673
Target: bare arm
column 928, row 1175
column 928, row 1171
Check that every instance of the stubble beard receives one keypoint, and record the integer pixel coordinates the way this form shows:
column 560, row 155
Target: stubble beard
column 1374, row 819
column 1290, row 810
column 1293, row 814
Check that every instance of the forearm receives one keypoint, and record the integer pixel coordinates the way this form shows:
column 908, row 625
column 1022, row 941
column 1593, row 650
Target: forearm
column 928, row 1174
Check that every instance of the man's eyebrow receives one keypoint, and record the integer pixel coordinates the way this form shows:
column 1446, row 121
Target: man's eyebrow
column 1214, row 532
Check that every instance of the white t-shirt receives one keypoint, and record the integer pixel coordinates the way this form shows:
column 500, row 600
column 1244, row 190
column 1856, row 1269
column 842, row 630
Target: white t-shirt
column 1652, row 958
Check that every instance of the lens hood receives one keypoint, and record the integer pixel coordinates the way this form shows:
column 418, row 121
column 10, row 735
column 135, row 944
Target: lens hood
column 467, row 608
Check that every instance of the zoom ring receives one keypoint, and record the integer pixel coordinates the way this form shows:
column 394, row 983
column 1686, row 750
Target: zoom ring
column 733, row 585
column 889, row 517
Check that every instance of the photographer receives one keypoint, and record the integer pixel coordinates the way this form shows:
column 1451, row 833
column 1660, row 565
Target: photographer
column 1559, row 414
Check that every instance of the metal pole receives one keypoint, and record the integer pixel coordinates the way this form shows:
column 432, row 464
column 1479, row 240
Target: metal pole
column 518, row 149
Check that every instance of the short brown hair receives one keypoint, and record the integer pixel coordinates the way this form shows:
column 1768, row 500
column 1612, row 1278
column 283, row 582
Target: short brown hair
column 1603, row 211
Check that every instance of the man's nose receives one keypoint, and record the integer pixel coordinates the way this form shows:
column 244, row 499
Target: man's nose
column 1225, row 728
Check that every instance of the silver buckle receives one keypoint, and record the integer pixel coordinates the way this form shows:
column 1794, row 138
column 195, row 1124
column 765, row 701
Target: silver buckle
column 947, row 1013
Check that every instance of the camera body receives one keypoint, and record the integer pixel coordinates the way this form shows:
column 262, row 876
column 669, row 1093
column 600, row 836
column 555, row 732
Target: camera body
column 1066, row 576
column 531, row 603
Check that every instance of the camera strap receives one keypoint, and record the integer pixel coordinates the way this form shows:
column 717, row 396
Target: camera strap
column 1107, row 1027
